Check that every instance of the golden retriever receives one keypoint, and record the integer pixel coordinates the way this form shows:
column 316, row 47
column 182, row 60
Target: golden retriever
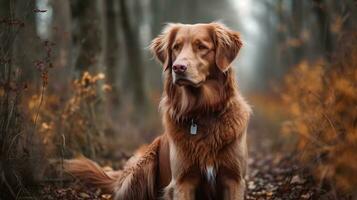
column 203, row 152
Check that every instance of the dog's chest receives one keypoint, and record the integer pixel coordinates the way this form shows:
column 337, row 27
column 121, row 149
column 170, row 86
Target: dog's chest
column 204, row 147
column 208, row 138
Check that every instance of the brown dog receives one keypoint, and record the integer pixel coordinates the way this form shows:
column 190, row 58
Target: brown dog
column 202, row 153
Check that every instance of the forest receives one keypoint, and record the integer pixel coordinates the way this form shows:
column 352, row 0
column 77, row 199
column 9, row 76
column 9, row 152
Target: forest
column 77, row 79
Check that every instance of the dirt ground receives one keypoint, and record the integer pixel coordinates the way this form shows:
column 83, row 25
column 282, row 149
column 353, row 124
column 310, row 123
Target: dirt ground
column 275, row 177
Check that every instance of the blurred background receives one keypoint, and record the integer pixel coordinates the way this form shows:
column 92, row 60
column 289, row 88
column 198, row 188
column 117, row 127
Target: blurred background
column 77, row 78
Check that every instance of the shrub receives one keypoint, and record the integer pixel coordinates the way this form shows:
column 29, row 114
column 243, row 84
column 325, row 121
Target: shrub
column 75, row 123
column 322, row 99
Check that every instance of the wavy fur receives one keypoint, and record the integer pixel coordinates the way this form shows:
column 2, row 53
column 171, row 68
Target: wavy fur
column 135, row 181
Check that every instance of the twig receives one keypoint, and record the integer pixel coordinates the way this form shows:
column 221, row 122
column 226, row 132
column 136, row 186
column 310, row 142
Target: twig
column 40, row 104
column 63, row 144
column 12, row 142
column 324, row 115
column 7, row 184
column 22, row 186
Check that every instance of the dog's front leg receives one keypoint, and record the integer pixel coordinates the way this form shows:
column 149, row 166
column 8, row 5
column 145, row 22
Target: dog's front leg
column 184, row 179
column 233, row 189
column 182, row 190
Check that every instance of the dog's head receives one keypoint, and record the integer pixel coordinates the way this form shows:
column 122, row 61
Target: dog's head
column 196, row 60
column 193, row 53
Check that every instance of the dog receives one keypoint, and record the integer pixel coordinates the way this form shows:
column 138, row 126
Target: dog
column 202, row 153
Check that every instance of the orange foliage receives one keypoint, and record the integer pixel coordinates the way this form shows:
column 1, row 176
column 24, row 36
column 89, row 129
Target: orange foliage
column 73, row 123
column 322, row 100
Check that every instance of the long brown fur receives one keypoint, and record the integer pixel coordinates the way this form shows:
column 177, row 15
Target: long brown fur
column 136, row 181
column 178, row 165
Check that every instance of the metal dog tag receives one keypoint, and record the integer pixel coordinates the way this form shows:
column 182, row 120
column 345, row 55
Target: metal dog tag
column 193, row 129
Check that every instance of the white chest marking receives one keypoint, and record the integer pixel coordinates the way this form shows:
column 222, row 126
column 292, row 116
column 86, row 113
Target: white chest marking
column 211, row 174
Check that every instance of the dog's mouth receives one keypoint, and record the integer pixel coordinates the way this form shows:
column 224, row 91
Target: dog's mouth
column 183, row 81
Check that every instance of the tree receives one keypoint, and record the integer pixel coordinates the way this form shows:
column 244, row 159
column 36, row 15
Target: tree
column 86, row 33
column 321, row 12
column 134, row 70
column 60, row 35
column 112, row 51
column 27, row 46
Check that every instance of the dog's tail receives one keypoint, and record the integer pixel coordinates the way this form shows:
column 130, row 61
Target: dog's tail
column 92, row 174
column 136, row 181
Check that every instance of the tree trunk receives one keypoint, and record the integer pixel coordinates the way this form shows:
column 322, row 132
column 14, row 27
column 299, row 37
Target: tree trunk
column 27, row 44
column 87, row 33
column 62, row 56
column 157, row 11
column 297, row 27
column 321, row 12
column 6, row 36
column 112, row 52
column 135, row 76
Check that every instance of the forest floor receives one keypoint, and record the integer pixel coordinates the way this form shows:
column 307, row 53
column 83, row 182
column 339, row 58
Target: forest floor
column 272, row 175
column 275, row 177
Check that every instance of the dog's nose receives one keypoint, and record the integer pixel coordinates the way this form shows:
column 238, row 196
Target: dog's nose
column 179, row 68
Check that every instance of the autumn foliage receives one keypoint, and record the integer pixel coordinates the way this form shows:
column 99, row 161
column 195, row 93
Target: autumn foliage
column 71, row 124
column 321, row 98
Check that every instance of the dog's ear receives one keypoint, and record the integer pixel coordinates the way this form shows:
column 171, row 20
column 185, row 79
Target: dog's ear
column 161, row 45
column 228, row 44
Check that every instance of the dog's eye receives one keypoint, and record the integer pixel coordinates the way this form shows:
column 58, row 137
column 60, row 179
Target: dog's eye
column 176, row 47
column 202, row 47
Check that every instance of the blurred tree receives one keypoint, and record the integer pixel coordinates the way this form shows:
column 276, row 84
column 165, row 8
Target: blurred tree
column 6, row 39
column 322, row 14
column 112, row 51
column 134, row 71
column 157, row 16
column 20, row 155
column 349, row 14
column 27, row 44
column 6, row 36
column 61, row 36
column 86, row 33
column 296, row 30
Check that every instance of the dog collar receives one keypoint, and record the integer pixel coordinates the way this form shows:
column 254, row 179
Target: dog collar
column 194, row 124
